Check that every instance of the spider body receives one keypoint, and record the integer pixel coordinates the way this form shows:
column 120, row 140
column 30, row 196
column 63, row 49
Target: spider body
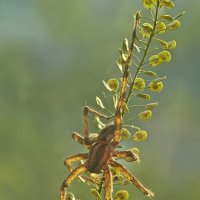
column 101, row 151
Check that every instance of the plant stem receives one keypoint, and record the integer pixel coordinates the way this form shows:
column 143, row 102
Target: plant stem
column 144, row 56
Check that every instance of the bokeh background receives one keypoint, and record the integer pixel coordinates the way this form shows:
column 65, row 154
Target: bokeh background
column 53, row 57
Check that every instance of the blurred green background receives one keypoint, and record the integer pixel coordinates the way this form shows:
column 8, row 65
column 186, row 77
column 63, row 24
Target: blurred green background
column 53, row 56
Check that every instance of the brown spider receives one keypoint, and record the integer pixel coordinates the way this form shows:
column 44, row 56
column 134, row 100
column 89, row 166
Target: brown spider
column 102, row 147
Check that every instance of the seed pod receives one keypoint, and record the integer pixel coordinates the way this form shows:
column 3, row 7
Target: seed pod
column 155, row 86
column 135, row 151
column 146, row 115
column 171, row 44
column 140, row 136
column 165, row 56
column 155, row 60
column 149, row 3
column 174, row 25
column 160, row 27
column 146, row 30
column 139, row 84
column 125, row 107
column 121, row 195
column 166, row 3
column 113, row 84
column 125, row 134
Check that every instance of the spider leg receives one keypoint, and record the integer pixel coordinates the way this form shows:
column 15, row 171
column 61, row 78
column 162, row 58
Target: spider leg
column 131, row 178
column 86, row 111
column 127, row 155
column 108, row 183
column 81, row 156
column 78, row 138
column 75, row 173
column 68, row 161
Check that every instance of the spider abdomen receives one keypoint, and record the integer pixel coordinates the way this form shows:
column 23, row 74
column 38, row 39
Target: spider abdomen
column 98, row 157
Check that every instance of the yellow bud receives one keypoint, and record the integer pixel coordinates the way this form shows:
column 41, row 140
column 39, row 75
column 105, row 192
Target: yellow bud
column 165, row 56
column 125, row 134
column 140, row 135
column 174, row 25
column 149, row 3
column 155, row 86
column 160, row 27
column 121, row 195
column 113, row 84
column 155, row 60
column 171, row 44
column 139, row 84
column 146, row 30
column 146, row 115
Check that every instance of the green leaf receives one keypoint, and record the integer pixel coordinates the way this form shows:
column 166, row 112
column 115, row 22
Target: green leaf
column 99, row 102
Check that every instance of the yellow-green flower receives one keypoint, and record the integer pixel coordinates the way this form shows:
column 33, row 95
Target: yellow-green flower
column 140, row 135
column 146, row 115
column 155, row 86
column 139, row 84
column 165, row 56
column 160, row 27
column 146, row 30
column 149, row 3
column 113, row 84
column 155, row 60
column 121, row 195
column 171, row 44
column 174, row 25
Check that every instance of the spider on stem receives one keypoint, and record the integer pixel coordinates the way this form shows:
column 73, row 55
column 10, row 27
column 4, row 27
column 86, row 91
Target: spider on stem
column 102, row 153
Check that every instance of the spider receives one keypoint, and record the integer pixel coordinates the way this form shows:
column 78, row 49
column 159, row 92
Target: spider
column 101, row 155
column 102, row 147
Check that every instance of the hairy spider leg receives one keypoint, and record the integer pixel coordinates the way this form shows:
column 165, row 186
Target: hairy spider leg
column 118, row 113
column 68, row 161
column 128, row 155
column 86, row 111
column 75, row 173
column 79, row 139
column 108, row 183
column 131, row 178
